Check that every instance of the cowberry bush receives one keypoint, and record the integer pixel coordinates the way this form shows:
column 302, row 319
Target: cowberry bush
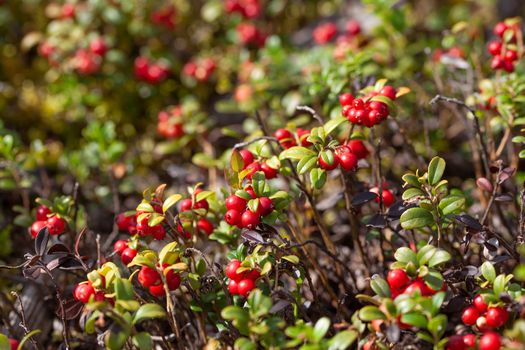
column 262, row 174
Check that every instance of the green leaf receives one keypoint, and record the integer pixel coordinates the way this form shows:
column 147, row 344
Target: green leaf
column 116, row 339
column 342, row 340
column 171, row 201
column 499, row 285
column 148, row 311
column 236, row 161
column 411, row 193
column 4, row 342
column 425, row 254
column 296, row 153
column 439, row 257
column 437, row 325
column 321, row 327
column 488, row 271
column 416, row 218
column 245, row 344
column 145, row 207
column 380, row 286
column 436, row 167
column 391, row 106
column 411, row 179
column 142, row 341
column 318, row 177
column 414, row 319
column 306, row 164
column 451, row 204
column 434, row 280
column 406, row 255
column 123, row 289
column 333, row 124
column 370, row 313
column 294, row 259
column 437, row 301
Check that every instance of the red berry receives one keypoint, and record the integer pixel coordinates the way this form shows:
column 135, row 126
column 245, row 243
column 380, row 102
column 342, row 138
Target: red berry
column 497, row 62
column 119, row 246
column 158, row 232
column 253, row 168
column 388, row 196
column 148, row 276
column 205, row 226
column 490, row 341
column 496, row 317
column 389, row 92
column 232, row 217
column 353, row 27
column 172, row 280
column 303, row 134
column 285, row 138
column 186, row 204
column 56, row 225
column 455, row 342
column 500, row 28
column 348, row 161
column 511, row 55
column 122, row 221
column 98, row 47
column 128, row 255
column 157, row 290
column 202, row 204
column 397, row 279
column 265, row 206
column 233, row 287
column 480, row 304
column 83, row 292
column 42, row 212
column 326, row 164
column 358, row 148
column 253, row 275
column 36, row 227
column 245, row 286
column 13, row 344
column 417, row 285
column 346, row 99
column 235, row 202
column 250, row 220
column 508, row 66
column 470, row 316
column 495, row 47
column 470, row 341
column 251, row 192
column 268, row 171
column 231, row 270
column 247, row 157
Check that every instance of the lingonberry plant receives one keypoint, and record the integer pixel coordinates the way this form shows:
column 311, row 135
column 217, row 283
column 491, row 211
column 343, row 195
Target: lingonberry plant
column 261, row 174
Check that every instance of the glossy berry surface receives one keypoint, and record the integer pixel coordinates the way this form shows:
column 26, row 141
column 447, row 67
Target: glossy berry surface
column 83, row 292
column 490, row 341
column 470, row 315
column 397, row 279
column 245, row 286
column 128, row 255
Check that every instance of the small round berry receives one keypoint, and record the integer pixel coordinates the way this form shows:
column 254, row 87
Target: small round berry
column 251, row 192
column 265, row 206
column 233, row 287
column 253, row 275
column 455, row 342
column 232, row 217
column 511, row 55
column 387, row 195
column 148, row 276
column 490, row 341
column 42, row 212
column 56, row 225
column 326, row 164
column 268, row 171
column 250, row 220
column 417, row 285
column 36, row 227
column 358, row 148
column 202, row 204
column 389, row 92
column 247, row 157
column 480, row 304
column 122, row 221
column 495, row 47
column 303, row 134
column 481, row 323
column 470, row 316
column 397, row 279
column 235, row 202
column 346, row 99
column 128, row 255
column 186, row 204
column 353, row 27
column 497, row 62
column 253, row 168
column 13, row 344
column 496, row 317
column 470, row 341
column 358, row 104
column 119, row 246
column 157, row 290
column 285, row 138
column 83, row 292
column 348, row 161
column 231, row 270
column 205, row 226
column 172, row 280
column 245, row 286
column 158, row 232
column 500, row 28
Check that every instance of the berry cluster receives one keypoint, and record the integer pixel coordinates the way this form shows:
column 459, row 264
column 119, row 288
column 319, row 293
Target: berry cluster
column 150, row 278
column 46, row 218
column 326, row 32
column 88, row 61
column 200, row 69
column 366, row 111
column 126, row 253
column 150, row 72
column 504, row 49
column 487, row 341
column 240, row 215
column 454, row 52
column 247, row 8
column 256, row 165
column 200, row 209
column 165, row 16
column 287, row 139
column 85, row 290
column 250, row 35
column 343, row 156
column 170, row 124
column 401, row 283
column 240, row 283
